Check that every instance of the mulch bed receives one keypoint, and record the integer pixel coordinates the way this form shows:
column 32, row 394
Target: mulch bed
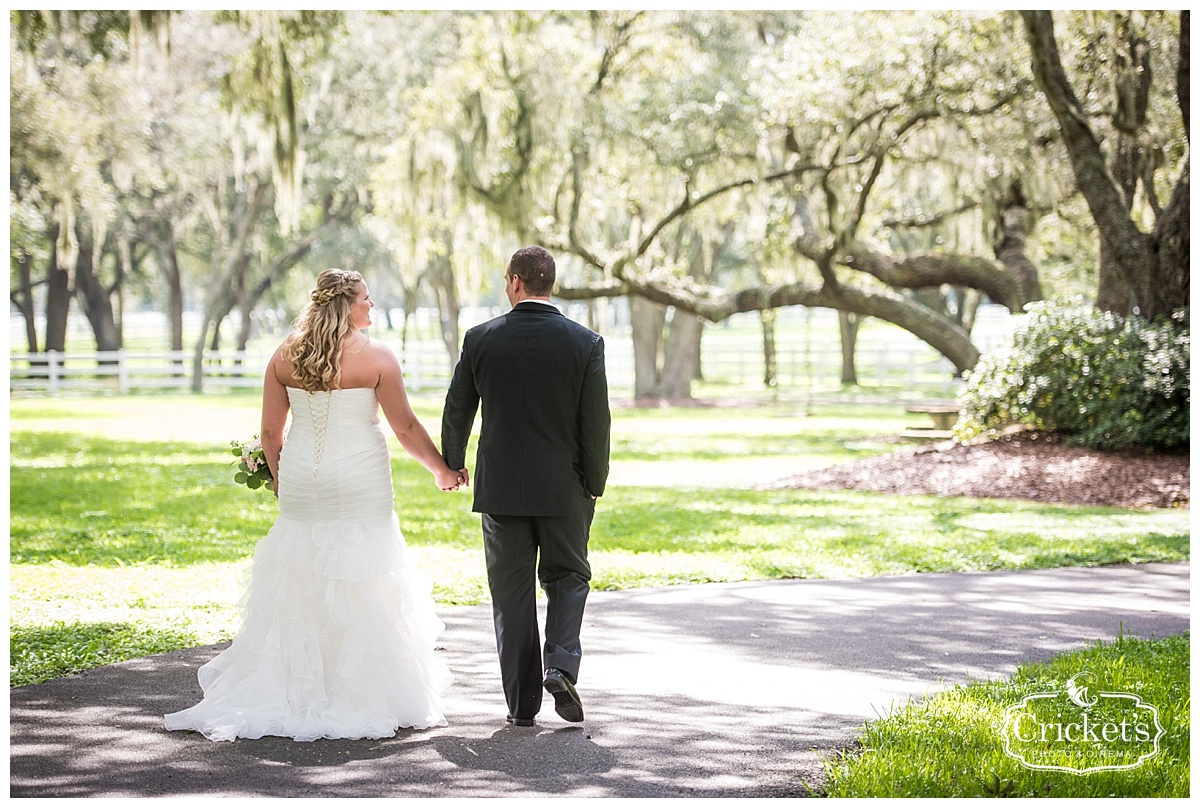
column 1026, row 465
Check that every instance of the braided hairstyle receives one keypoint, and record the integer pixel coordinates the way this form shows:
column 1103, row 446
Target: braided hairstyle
column 314, row 349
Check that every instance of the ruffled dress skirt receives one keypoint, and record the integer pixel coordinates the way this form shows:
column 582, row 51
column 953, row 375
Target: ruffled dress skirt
column 338, row 631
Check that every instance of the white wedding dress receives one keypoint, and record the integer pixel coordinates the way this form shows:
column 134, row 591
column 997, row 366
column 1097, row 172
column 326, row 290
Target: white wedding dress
column 339, row 627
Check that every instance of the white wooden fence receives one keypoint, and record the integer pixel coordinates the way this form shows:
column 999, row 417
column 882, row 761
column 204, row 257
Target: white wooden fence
column 427, row 368
column 125, row 370
column 53, row 372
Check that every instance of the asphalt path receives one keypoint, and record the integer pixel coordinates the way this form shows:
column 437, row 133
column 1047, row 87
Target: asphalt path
column 719, row 690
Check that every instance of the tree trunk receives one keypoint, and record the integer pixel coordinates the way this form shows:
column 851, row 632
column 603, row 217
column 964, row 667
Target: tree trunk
column 1132, row 87
column 214, row 343
column 410, row 311
column 209, row 338
column 230, row 259
column 246, row 329
column 681, row 350
column 1092, row 175
column 124, row 268
column 23, row 300
column 1159, row 286
column 441, row 277
column 168, row 262
column 60, row 288
column 848, row 323
column 250, row 298
column 1174, row 241
column 697, row 351
column 968, row 306
column 647, row 321
column 679, row 356
column 234, row 296
column 96, row 300
column 1112, row 290
column 239, row 297
column 1015, row 226
column 1183, row 72
column 766, row 319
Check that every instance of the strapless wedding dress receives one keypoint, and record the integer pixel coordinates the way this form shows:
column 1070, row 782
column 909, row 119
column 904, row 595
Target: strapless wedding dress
column 338, row 630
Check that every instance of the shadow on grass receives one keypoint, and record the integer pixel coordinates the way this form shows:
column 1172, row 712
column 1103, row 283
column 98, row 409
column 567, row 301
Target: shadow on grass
column 958, row 728
column 723, row 446
column 86, row 500
column 798, row 533
column 40, row 653
column 89, row 500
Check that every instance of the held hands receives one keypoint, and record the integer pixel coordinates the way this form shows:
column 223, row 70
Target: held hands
column 450, row 480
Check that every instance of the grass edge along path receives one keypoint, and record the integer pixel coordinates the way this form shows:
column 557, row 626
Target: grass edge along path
column 128, row 536
column 952, row 744
column 67, row 617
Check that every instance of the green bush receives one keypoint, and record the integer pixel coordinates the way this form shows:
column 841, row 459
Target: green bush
column 1098, row 379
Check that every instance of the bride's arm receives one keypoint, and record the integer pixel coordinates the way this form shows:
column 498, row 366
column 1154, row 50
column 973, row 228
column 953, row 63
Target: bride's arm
column 404, row 422
column 274, row 417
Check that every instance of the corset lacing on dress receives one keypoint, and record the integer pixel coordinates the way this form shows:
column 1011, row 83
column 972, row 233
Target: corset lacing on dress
column 340, row 630
column 318, row 410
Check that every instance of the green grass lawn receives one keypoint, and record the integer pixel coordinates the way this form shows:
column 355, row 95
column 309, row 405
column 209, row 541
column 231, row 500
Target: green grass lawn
column 952, row 745
column 128, row 535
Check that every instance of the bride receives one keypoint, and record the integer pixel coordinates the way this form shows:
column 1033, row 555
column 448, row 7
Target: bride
column 339, row 627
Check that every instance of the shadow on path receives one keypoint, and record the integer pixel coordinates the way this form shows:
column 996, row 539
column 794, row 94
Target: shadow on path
column 719, row 690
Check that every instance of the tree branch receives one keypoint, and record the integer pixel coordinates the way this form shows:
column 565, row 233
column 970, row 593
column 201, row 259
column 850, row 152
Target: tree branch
column 610, row 289
column 1092, row 175
column 860, row 208
column 929, row 270
column 579, row 147
column 996, row 106
column 618, row 41
column 715, row 305
column 688, row 202
column 930, row 221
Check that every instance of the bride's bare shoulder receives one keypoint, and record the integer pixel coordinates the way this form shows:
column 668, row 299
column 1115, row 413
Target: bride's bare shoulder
column 368, row 365
column 281, row 368
column 381, row 352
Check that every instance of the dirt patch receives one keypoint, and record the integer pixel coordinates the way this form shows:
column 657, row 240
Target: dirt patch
column 1023, row 466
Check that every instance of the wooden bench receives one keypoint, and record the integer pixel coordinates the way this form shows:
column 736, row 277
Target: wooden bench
column 943, row 415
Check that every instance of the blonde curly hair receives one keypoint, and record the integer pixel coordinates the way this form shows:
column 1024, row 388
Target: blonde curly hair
column 314, row 349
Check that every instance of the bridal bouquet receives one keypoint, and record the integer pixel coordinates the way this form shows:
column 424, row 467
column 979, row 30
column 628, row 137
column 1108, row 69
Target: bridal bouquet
column 253, row 471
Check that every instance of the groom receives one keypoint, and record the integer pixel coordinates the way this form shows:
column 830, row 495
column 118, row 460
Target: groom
column 542, row 462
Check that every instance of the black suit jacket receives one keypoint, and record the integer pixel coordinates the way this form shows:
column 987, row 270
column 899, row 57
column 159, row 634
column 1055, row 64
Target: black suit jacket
column 545, row 432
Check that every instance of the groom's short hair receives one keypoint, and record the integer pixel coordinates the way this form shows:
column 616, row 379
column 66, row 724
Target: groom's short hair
column 535, row 267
